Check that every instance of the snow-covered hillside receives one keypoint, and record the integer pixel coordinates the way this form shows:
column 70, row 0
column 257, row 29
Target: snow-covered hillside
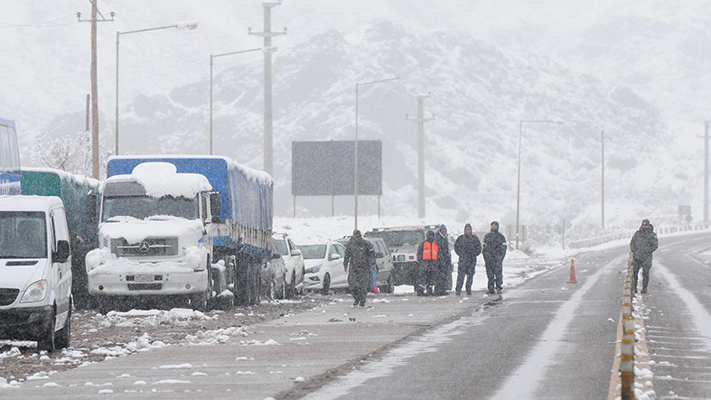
column 479, row 94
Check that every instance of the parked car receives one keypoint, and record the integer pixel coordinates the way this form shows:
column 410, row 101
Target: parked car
column 324, row 266
column 294, row 263
column 274, row 277
column 386, row 277
column 35, row 271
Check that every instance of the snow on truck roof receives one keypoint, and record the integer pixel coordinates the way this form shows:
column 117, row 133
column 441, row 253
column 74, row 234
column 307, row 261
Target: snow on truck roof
column 64, row 175
column 8, row 122
column 28, row 203
column 259, row 176
column 162, row 179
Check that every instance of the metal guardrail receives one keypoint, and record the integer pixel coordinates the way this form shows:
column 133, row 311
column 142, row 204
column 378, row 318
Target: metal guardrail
column 578, row 244
column 628, row 337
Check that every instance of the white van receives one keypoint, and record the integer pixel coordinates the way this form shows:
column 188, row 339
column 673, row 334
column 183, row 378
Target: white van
column 35, row 271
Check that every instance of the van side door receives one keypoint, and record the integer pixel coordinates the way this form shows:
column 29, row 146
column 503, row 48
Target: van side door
column 62, row 272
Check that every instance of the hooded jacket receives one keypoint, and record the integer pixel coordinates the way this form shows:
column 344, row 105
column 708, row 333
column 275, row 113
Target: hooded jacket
column 467, row 247
column 494, row 247
column 644, row 242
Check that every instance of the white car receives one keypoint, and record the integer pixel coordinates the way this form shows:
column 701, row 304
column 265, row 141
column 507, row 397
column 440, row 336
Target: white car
column 294, row 263
column 324, row 266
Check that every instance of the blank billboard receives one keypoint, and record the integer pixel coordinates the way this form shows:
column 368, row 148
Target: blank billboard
column 326, row 168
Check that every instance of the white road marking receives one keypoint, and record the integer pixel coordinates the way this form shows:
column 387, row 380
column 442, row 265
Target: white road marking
column 698, row 314
column 523, row 383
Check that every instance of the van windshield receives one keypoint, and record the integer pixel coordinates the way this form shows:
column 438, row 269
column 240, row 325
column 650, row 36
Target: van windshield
column 23, row 234
column 142, row 207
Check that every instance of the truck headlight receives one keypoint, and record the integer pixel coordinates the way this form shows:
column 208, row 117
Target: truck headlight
column 35, row 292
column 313, row 270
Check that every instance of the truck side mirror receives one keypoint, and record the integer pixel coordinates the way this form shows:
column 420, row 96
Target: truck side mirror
column 61, row 255
column 91, row 209
column 215, row 207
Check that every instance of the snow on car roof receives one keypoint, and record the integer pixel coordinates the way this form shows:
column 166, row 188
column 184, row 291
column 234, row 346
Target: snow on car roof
column 260, row 176
column 162, row 179
column 28, row 203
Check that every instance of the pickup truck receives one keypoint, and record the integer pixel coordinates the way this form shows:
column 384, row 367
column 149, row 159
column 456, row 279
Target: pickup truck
column 196, row 228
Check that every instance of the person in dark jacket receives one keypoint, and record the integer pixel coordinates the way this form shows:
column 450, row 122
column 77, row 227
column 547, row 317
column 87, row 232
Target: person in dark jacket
column 358, row 260
column 644, row 242
column 444, row 275
column 427, row 255
column 494, row 252
column 467, row 247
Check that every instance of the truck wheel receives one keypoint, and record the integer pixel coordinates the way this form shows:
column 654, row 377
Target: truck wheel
column 63, row 337
column 326, row 284
column 291, row 288
column 241, row 284
column 47, row 339
column 203, row 301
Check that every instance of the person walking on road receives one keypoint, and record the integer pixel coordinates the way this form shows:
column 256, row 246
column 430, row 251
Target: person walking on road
column 444, row 275
column 467, row 247
column 359, row 259
column 494, row 252
column 427, row 255
column 644, row 242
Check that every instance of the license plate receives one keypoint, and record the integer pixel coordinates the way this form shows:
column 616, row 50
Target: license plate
column 143, row 278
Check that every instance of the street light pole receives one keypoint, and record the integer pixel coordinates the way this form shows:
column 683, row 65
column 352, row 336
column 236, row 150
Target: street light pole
column 188, row 25
column 355, row 169
column 212, row 58
column 268, row 34
column 421, row 152
column 518, row 183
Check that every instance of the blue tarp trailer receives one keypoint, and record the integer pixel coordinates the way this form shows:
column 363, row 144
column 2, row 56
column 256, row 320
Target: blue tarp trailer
column 244, row 233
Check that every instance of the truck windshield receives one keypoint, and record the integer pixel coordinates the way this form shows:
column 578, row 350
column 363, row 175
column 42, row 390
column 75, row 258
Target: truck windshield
column 142, row 207
column 399, row 238
column 313, row 251
column 22, row 234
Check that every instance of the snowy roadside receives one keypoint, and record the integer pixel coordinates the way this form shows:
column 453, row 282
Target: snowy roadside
column 98, row 337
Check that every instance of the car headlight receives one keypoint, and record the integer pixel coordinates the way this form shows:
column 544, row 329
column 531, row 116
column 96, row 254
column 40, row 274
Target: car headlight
column 35, row 292
column 401, row 257
column 314, row 270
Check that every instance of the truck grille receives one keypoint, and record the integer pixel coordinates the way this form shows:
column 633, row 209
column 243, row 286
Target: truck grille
column 150, row 247
column 8, row 296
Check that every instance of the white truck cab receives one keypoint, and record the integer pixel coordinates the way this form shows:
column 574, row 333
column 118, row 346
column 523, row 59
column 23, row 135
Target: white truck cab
column 35, row 271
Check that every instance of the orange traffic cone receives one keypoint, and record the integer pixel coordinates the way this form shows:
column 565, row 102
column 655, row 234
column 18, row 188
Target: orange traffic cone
column 572, row 271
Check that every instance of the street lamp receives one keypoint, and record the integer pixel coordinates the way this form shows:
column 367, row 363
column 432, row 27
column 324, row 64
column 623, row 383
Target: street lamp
column 187, row 25
column 358, row 85
column 212, row 58
column 518, row 185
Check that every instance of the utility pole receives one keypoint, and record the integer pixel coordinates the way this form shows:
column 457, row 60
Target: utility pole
column 88, row 111
column 94, row 87
column 602, row 167
column 267, row 34
column 706, row 138
column 421, row 152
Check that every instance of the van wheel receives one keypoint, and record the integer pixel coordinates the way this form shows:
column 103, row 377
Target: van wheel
column 326, row 284
column 48, row 338
column 63, row 337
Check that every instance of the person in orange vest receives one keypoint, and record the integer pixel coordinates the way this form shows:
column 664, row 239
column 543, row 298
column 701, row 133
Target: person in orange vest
column 427, row 255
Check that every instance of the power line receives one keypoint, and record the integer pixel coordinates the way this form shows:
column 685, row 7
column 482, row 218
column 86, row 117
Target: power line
column 43, row 24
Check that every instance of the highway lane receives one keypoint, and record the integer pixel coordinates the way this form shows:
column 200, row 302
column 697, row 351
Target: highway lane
column 544, row 340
